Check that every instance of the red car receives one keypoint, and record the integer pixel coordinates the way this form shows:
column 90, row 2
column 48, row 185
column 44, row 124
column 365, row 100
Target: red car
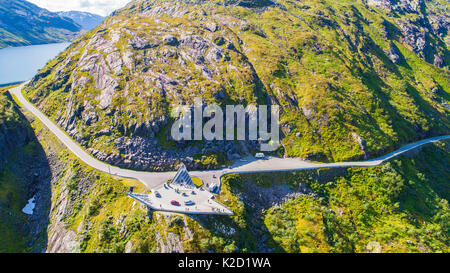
column 175, row 203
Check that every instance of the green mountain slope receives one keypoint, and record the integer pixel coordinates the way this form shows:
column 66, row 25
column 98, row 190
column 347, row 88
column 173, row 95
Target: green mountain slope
column 353, row 78
column 23, row 174
column 23, row 23
column 401, row 206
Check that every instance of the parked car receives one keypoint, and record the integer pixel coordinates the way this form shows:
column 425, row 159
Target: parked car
column 189, row 203
column 175, row 203
column 213, row 188
column 157, row 194
column 260, row 155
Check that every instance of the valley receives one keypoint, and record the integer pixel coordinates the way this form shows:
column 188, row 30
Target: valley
column 362, row 164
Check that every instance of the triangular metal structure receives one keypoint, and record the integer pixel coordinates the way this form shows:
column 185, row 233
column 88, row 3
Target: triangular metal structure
column 183, row 178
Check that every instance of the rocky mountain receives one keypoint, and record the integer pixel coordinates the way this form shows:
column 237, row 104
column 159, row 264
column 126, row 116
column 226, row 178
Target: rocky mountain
column 401, row 206
column 23, row 23
column 353, row 78
column 86, row 20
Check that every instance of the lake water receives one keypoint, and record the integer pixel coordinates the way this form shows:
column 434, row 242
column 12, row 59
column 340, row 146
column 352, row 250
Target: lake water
column 19, row 64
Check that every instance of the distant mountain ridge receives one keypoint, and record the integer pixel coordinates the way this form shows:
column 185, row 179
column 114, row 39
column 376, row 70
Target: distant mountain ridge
column 86, row 20
column 23, row 23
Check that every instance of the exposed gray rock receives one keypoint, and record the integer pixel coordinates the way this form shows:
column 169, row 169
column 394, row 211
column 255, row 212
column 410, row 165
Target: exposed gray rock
column 115, row 61
column 309, row 112
column 414, row 37
column 383, row 3
column 211, row 27
column 170, row 40
column 169, row 242
column 104, row 132
column 440, row 24
column 439, row 61
column 108, row 85
column 393, row 53
column 140, row 43
column 410, row 6
column 360, row 141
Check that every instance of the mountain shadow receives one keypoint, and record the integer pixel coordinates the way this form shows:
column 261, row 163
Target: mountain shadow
column 25, row 173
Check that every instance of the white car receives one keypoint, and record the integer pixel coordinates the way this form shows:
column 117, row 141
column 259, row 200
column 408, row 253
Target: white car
column 260, row 155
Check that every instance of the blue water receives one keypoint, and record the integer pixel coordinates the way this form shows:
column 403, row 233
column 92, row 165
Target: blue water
column 19, row 64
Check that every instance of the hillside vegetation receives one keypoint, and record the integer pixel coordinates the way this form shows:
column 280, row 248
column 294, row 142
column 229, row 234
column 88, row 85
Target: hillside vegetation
column 23, row 170
column 401, row 206
column 23, row 23
column 353, row 79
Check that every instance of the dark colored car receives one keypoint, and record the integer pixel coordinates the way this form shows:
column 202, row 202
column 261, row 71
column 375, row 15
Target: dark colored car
column 189, row 203
column 175, row 203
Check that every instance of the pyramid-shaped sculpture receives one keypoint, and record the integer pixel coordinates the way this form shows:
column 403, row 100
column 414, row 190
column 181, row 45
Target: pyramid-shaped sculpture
column 182, row 178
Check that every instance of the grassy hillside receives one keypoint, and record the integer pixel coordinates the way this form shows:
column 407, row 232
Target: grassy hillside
column 10, row 238
column 23, row 23
column 22, row 172
column 353, row 80
column 350, row 80
column 401, row 206
column 91, row 212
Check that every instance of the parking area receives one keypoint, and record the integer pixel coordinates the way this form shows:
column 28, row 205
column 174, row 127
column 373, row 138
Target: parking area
column 178, row 199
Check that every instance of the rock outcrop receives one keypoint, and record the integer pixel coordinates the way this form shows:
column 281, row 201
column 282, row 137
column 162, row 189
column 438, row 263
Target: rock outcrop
column 113, row 90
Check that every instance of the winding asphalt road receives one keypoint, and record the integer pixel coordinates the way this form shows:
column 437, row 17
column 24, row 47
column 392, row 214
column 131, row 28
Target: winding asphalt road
column 155, row 180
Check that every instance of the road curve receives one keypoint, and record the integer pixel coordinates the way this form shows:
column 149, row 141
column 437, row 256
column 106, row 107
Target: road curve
column 244, row 166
